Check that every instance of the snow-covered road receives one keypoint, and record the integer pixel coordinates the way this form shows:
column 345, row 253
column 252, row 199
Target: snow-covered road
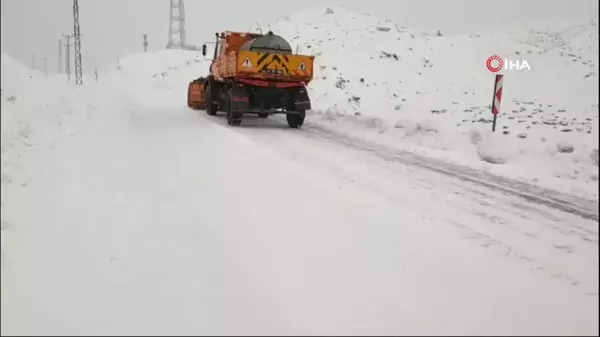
column 167, row 221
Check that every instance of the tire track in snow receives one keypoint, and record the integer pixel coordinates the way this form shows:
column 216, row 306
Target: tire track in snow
column 587, row 209
column 582, row 207
column 515, row 227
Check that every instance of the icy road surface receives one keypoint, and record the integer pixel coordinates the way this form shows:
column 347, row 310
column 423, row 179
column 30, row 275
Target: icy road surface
column 153, row 221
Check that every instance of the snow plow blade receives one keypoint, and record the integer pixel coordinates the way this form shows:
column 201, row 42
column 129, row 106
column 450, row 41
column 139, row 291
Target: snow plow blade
column 195, row 98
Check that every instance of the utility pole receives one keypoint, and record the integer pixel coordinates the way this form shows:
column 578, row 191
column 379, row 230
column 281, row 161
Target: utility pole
column 46, row 66
column 77, row 34
column 33, row 61
column 145, row 43
column 60, row 56
column 68, row 55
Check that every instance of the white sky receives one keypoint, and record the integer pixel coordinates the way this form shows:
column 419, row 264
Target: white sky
column 111, row 28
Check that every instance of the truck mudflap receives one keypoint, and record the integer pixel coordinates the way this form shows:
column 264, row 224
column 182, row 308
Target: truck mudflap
column 301, row 99
column 239, row 99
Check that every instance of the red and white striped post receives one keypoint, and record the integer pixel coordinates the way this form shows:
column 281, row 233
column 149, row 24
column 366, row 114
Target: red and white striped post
column 497, row 99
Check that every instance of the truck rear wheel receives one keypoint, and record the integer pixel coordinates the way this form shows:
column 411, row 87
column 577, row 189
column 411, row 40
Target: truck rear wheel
column 295, row 120
column 263, row 115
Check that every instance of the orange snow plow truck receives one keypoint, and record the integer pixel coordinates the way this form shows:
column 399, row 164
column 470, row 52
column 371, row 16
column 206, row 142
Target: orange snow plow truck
column 254, row 74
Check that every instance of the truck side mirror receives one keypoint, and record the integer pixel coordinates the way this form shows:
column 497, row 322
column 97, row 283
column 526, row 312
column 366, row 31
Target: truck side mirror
column 204, row 50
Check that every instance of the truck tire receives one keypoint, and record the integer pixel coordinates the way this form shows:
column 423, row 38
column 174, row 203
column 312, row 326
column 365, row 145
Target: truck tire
column 263, row 115
column 295, row 120
column 211, row 108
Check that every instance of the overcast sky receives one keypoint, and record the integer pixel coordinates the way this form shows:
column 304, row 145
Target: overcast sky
column 111, row 28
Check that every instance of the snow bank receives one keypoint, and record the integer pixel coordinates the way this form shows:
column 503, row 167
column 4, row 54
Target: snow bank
column 140, row 75
column 16, row 132
column 37, row 113
column 494, row 150
column 37, row 110
column 161, row 64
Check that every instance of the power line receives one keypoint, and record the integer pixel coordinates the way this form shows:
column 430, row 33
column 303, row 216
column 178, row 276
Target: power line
column 60, row 56
column 145, row 43
column 68, row 55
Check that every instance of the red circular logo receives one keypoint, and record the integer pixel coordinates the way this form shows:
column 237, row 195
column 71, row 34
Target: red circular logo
column 494, row 63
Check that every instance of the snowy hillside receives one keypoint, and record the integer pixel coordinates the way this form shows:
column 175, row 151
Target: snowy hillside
column 433, row 93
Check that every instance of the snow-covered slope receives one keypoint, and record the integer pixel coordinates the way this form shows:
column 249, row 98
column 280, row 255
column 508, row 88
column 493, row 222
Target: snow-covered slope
column 36, row 112
column 165, row 73
column 433, row 93
column 23, row 92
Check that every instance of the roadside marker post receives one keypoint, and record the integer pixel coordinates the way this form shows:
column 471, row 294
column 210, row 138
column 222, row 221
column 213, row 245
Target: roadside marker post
column 497, row 99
